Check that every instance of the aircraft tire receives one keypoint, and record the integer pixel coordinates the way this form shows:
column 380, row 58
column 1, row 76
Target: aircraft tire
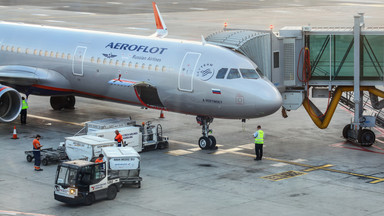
column 71, row 101
column 205, row 143
column 58, row 102
column 366, row 137
column 213, row 142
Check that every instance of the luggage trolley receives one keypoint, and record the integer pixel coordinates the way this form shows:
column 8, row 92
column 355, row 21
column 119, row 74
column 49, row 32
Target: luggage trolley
column 124, row 163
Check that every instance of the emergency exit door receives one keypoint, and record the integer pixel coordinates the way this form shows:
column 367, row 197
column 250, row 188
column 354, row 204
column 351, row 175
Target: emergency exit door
column 78, row 61
column 187, row 71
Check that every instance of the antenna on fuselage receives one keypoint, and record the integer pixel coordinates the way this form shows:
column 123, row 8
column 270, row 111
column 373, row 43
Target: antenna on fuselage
column 203, row 41
column 162, row 30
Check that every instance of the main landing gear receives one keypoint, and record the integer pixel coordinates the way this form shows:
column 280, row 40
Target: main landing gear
column 364, row 137
column 60, row 102
column 206, row 141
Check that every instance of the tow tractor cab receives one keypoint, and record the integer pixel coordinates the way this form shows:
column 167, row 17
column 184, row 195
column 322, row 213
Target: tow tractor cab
column 84, row 182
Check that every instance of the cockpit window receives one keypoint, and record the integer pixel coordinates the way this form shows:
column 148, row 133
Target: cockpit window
column 249, row 74
column 259, row 72
column 221, row 73
column 233, row 74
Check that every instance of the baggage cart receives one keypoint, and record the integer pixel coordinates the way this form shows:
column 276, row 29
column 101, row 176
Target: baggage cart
column 48, row 155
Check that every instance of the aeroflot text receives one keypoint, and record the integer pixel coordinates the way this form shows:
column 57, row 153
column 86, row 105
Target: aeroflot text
column 134, row 47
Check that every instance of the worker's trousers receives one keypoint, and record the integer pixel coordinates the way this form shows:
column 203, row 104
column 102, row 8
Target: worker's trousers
column 259, row 151
column 36, row 154
column 23, row 116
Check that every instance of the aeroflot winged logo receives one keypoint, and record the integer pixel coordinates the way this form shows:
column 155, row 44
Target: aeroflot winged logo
column 136, row 48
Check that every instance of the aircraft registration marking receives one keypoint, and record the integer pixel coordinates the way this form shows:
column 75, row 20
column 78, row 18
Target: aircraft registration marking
column 284, row 175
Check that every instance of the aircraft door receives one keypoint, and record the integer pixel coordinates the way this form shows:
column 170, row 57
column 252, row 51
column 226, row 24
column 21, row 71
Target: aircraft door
column 187, row 71
column 78, row 60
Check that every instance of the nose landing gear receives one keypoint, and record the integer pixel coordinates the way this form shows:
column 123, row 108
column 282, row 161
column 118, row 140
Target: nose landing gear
column 206, row 141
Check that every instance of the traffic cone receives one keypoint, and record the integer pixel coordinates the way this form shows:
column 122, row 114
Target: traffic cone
column 161, row 114
column 14, row 136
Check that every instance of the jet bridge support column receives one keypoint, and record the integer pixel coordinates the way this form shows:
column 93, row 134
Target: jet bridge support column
column 356, row 79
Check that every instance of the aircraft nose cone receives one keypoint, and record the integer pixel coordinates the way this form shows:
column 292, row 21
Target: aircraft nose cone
column 270, row 99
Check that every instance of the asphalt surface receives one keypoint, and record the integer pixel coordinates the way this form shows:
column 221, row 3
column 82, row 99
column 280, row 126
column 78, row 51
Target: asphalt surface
column 334, row 177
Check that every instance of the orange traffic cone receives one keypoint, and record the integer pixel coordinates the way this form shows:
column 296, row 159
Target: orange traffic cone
column 14, row 133
column 161, row 114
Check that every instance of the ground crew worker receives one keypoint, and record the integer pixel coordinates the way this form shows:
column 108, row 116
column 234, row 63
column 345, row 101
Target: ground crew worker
column 118, row 138
column 23, row 113
column 259, row 141
column 99, row 159
column 36, row 152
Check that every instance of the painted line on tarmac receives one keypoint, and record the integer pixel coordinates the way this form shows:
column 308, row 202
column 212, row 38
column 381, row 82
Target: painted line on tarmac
column 21, row 213
column 55, row 120
column 358, row 148
column 296, row 163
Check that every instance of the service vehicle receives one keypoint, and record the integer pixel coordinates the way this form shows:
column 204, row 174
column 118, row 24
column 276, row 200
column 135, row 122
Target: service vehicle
column 83, row 182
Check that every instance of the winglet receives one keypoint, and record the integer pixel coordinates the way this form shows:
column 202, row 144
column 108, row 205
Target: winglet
column 162, row 30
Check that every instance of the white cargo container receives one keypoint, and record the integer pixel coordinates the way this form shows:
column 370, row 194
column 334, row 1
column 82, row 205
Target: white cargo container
column 124, row 163
column 108, row 124
column 131, row 136
column 86, row 147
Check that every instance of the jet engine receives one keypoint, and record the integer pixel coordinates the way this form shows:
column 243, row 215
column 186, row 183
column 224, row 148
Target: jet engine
column 10, row 104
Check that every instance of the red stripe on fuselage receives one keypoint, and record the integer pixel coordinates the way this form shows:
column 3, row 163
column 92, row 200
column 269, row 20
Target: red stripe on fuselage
column 1, row 89
column 83, row 93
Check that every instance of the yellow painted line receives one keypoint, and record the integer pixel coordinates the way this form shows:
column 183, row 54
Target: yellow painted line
column 55, row 120
column 317, row 167
column 179, row 152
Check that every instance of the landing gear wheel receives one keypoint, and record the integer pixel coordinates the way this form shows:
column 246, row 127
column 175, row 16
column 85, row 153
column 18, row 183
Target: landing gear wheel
column 70, row 102
column 346, row 129
column 213, row 142
column 204, row 143
column 29, row 158
column 44, row 162
column 112, row 192
column 58, row 102
column 366, row 137
column 89, row 199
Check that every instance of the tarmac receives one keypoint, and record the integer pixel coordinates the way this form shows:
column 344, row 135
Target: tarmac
column 305, row 170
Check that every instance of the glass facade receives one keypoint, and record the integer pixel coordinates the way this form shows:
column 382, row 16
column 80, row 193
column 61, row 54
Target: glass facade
column 332, row 57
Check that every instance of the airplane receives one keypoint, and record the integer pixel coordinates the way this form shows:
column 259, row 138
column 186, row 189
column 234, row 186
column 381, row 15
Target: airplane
column 187, row 77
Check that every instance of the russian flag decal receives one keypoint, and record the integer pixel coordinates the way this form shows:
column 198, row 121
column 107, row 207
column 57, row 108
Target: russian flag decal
column 216, row 91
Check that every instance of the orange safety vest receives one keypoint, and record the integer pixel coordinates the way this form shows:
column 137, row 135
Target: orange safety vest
column 36, row 144
column 119, row 138
column 99, row 160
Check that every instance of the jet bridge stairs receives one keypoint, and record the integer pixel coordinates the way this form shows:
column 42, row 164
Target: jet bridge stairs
column 343, row 64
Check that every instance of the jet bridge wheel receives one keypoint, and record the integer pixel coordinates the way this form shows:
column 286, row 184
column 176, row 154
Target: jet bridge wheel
column 346, row 129
column 205, row 143
column 366, row 137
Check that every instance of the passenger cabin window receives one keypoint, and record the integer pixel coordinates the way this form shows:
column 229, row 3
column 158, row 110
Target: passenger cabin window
column 249, row 74
column 233, row 74
column 221, row 73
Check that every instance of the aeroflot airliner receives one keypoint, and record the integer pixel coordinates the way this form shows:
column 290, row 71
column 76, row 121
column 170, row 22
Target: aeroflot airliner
column 187, row 77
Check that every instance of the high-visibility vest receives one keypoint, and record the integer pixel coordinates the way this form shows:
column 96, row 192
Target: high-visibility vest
column 25, row 105
column 260, row 137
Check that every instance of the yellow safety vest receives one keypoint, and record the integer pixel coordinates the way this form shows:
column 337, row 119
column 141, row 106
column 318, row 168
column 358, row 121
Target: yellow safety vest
column 25, row 105
column 260, row 137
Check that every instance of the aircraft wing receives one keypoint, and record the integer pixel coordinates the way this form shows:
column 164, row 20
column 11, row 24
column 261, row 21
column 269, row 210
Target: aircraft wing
column 18, row 75
column 29, row 76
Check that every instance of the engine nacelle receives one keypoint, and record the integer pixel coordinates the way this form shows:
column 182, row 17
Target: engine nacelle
column 10, row 104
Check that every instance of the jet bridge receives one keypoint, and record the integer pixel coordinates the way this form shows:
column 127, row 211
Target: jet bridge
column 343, row 64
